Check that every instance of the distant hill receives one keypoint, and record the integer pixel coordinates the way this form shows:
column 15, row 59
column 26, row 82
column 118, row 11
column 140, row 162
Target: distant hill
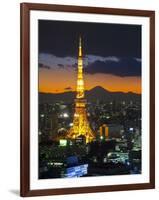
column 97, row 93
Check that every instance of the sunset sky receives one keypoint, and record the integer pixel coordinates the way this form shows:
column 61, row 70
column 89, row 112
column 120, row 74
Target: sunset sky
column 112, row 56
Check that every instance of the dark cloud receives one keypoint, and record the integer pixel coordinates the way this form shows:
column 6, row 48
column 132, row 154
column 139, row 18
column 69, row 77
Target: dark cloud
column 61, row 65
column 124, row 67
column 119, row 66
column 52, row 61
column 44, row 66
column 74, row 65
column 68, row 88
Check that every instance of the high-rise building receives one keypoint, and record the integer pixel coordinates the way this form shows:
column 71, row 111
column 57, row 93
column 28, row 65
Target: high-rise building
column 81, row 125
column 104, row 131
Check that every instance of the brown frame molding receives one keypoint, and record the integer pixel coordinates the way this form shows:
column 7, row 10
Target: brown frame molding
column 25, row 103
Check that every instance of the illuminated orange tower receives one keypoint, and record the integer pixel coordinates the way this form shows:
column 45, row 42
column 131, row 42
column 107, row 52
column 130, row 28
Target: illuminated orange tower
column 81, row 125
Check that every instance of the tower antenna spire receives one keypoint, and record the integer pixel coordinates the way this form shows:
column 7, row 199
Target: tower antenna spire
column 80, row 46
column 80, row 81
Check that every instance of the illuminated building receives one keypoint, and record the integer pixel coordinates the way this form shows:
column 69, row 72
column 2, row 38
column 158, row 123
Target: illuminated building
column 81, row 125
column 104, row 131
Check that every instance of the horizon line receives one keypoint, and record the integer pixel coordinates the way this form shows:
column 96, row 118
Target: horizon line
column 89, row 90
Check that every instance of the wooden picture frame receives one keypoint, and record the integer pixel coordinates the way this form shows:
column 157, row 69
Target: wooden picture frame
column 25, row 188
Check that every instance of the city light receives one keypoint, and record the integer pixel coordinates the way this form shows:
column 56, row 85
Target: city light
column 40, row 133
column 101, row 137
column 65, row 115
column 63, row 142
column 71, row 124
column 76, row 171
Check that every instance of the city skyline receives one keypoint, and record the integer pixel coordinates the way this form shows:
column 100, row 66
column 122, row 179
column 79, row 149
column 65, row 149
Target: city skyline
column 81, row 136
column 105, row 64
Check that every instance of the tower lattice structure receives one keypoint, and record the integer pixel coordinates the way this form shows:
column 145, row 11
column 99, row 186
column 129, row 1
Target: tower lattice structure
column 81, row 125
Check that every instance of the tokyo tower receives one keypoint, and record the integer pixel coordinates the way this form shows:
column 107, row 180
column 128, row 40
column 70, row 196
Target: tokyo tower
column 81, row 125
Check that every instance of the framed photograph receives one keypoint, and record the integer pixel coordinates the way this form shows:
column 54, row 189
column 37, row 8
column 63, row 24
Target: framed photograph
column 87, row 99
